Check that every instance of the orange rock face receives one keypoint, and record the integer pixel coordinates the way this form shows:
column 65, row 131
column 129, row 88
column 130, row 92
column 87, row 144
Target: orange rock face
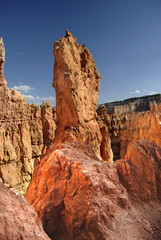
column 145, row 125
column 77, row 82
column 79, row 197
column 76, row 194
column 140, row 172
column 18, row 219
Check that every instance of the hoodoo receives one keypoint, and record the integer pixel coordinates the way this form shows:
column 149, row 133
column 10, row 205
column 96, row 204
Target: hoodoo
column 2, row 61
column 77, row 83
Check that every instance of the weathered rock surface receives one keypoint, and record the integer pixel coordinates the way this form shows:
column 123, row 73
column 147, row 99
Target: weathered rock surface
column 103, row 120
column 25, row 131
column 77, row 196
column 2, row 61
column 77, row 83
column 140, row 171
column 145, row 125
column 124, row 129
column 18, row 219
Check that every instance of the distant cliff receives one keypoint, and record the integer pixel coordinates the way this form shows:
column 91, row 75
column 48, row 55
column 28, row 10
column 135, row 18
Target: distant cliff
column 139, row 104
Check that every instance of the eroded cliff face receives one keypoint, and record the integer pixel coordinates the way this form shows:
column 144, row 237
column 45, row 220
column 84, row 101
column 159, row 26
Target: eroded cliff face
column 145, row 125
column 25, row 130
column 126, row 128
column 77, row 82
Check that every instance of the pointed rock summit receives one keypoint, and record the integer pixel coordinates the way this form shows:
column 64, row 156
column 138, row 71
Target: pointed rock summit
column 2, row 61
column 77, row 83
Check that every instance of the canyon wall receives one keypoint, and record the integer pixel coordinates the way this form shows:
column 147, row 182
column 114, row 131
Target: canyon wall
column 140, row 104
column 25, row 131
column 128, row 127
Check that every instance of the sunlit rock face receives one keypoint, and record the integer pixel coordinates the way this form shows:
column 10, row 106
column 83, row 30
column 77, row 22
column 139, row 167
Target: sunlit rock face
column 2, row 61
column 18, row 219
column 124, row 129
column 25, row 131
column 145, row 125
column 77, row 196
column 77, row 83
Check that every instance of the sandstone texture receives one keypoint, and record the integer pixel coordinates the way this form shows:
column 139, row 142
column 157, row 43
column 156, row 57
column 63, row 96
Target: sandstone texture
column 18, row 219
column 124, row 129
column 77, row 83
column 77, row 196
column 145, row 125
column 140, row 171
column 25, row 131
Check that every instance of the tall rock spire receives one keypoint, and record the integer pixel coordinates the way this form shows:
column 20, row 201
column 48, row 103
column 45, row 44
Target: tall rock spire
column 2, row 61
column 77, row 83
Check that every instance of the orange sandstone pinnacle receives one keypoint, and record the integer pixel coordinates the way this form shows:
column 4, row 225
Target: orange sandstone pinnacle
column 77, row 83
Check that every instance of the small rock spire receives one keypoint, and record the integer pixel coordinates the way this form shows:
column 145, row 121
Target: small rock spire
column 2, row 61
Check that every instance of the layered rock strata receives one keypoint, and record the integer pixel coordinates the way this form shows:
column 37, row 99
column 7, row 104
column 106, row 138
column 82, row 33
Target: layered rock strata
column 77, row 83
column 18, row 219
column 140, row 104
column 25, row 131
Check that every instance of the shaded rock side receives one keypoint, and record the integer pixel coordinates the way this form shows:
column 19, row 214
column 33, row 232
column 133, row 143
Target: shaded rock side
column 140, row 171
column 79, row 197
column 25, row 131
column 18, row 219
column 77, row 83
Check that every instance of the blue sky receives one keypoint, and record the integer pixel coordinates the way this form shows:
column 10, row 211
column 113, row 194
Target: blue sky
column 124, row 37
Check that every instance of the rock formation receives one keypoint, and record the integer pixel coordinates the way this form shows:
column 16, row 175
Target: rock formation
column 140, row 171
column 77, row 196
column 145, row 125
column 77, row 82
column 25, row 130
column 126, row 128
column 140, row 104
column 18, row 219
column 104, row 122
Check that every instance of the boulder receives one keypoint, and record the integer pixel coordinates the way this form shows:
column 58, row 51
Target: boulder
column 18, row 219
column 75, row 194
